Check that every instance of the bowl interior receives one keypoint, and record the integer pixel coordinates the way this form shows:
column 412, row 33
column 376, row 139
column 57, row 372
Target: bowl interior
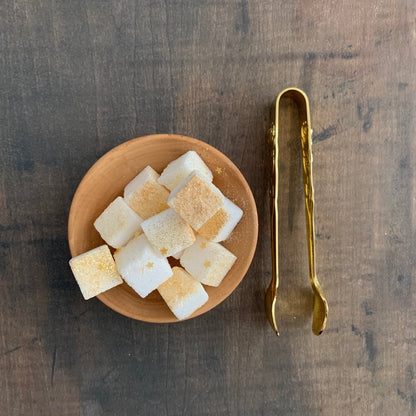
column 106, row 180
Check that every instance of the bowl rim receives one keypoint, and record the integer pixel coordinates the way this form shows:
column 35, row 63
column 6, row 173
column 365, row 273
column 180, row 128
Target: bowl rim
column 186, row 139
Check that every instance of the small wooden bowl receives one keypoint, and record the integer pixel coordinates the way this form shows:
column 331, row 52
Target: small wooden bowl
column 106, row 180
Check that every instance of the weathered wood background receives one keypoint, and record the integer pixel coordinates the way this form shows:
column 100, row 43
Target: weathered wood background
column 79, row 77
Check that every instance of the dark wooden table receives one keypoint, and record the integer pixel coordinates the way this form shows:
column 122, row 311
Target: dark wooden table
column 80, row 77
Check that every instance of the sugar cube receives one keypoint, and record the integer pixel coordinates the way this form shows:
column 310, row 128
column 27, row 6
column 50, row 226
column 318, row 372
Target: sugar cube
column 183, row 166
column 118, row 223
column 95, row 271
column 196, row 200
column 145, row 195
column 220, row 226
column 182, row 293
column 208, row 262
column 177, row 256
column 168, row 232
column 141, row 266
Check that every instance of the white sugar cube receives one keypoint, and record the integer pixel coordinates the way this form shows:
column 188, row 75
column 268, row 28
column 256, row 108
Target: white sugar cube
column 95, row 271
column 208, row 262
column 182, row 167
column 118, row 223
column 145, row 195
column 168, row 232
column 141, row 266
column 196, row 200
column 182, row 293
column 219, row 227
column 177, row 256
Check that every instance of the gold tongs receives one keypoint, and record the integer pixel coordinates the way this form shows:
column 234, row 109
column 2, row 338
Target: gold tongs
column 320, row 308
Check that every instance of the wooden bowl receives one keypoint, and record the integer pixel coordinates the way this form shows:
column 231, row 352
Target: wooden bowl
column 106, row 180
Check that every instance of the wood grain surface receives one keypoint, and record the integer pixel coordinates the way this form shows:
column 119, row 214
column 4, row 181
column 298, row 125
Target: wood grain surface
column 80, row 77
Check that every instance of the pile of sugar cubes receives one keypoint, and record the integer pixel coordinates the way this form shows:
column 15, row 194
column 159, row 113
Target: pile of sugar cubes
column 179, row 213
